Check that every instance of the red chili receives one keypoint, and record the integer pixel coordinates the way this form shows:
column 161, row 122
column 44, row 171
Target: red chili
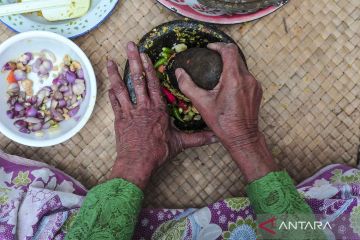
column 169, row 96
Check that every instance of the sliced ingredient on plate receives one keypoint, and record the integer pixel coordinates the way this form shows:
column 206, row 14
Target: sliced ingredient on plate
column 179, row 106
column 58, row 99
column 240, row 7
column 51, row 10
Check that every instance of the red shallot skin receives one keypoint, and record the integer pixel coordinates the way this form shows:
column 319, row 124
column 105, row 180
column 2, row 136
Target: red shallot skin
column 24, row 130
column 13, row 89
column 26, row 58
column 51, row 104
column 31, row 111
column 10, row 114
column 20, row 124
column 9, row 66
column 74, row 111
column 70, row 77
column 20, row 75
column 18, row 107
column 80, row 73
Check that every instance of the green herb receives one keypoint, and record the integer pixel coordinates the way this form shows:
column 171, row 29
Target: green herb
column 161, row 61
column 177, row 114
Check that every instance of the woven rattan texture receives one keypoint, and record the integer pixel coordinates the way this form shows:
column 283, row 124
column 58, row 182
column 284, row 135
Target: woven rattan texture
column 307, row 57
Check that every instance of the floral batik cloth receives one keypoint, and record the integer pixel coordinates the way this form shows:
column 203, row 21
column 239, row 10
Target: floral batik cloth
column 333, row 194
column 41, row 202
column 228, row 219
column 36, row 201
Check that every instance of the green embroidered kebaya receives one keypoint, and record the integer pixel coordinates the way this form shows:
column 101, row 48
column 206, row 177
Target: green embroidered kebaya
column 109, row 211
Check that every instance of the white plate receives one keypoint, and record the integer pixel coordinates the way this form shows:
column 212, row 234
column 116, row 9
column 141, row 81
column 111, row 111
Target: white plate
column 35, row 41
column 99, row 11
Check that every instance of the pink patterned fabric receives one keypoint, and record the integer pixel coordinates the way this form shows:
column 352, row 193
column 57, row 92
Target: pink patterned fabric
column 40, row 202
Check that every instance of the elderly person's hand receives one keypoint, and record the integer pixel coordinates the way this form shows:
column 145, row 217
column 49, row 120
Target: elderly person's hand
column 231, row 110
column 145, row 137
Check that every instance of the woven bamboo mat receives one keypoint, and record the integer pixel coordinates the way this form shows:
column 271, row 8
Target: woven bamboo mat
column 307, row 57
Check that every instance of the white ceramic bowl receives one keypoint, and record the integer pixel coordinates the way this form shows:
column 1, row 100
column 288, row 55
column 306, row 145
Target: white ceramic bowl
column 35, row 41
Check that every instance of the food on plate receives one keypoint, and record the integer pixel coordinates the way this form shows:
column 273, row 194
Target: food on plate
column 203, row 65
column 240, row 6
column 53, row 103
column 50, row 10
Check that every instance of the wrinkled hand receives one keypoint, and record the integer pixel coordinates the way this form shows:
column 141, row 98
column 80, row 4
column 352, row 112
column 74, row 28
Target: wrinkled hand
column 145, row 137
column 231, row 109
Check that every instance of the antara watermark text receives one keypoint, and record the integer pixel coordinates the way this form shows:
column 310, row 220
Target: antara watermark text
column 304, row 225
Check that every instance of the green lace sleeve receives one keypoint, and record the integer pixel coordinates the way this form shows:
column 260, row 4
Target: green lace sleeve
column 275, row 195
column 109, row 211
